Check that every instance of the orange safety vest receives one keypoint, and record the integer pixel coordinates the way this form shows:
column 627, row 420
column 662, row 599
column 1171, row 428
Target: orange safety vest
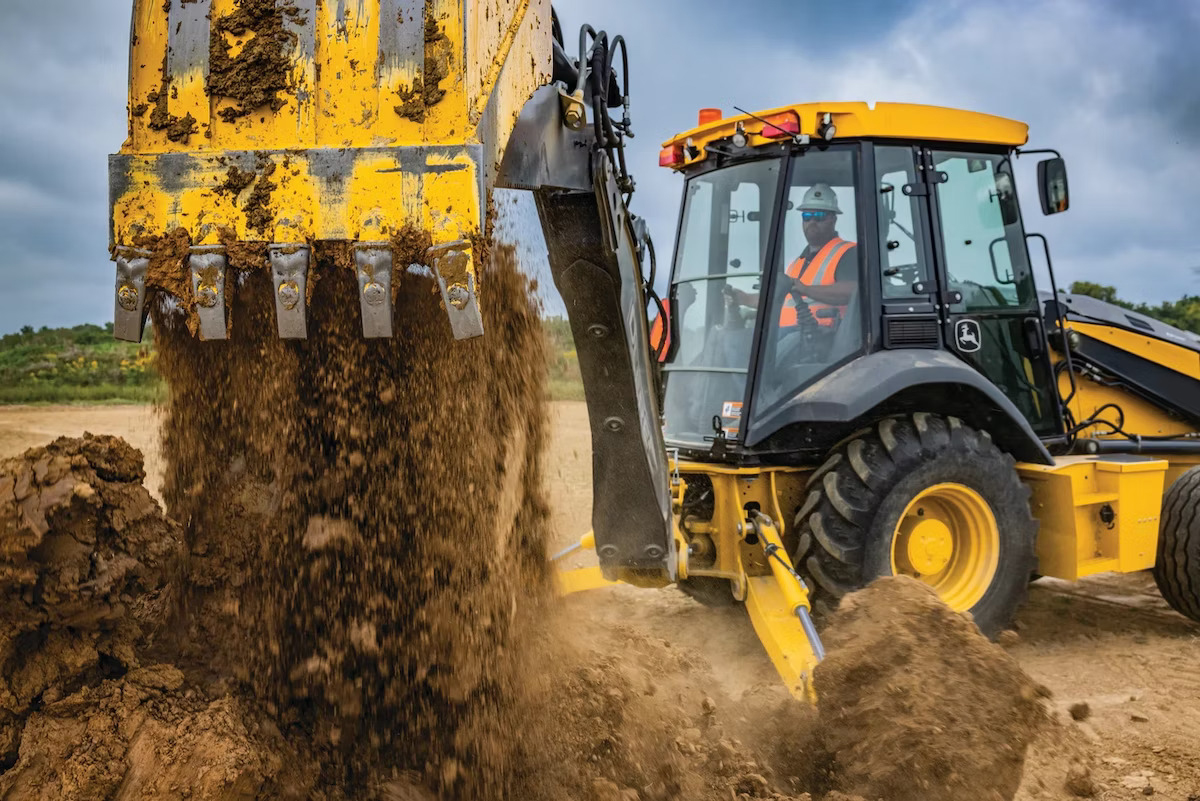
column 820, row 271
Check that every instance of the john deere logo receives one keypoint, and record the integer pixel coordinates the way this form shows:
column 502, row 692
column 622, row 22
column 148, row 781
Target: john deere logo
column 966, row 335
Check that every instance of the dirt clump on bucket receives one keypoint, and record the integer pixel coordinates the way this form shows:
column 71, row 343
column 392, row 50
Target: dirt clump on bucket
column 916, row 704
column 257, row 73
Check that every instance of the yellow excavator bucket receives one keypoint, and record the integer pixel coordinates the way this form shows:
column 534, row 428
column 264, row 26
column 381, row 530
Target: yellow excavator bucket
column 292, row 122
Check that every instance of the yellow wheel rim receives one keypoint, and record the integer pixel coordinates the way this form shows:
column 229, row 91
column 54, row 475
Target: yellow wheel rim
column 947, row 537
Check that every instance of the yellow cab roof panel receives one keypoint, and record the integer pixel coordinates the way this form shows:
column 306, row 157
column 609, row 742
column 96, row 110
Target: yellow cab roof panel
column 859, row 120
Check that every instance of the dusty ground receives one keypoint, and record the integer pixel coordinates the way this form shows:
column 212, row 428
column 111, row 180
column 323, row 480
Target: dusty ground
column 1109, row 643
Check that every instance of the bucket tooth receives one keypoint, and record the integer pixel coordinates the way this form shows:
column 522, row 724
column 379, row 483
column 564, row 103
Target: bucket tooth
column 289, row 277
column 455, row 275
column 129, row 319
column 207, row 265
column 373, row 265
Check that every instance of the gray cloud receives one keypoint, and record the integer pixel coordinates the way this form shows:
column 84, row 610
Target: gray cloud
column 1108, row 84
column 1111, row 84
column 63, row 70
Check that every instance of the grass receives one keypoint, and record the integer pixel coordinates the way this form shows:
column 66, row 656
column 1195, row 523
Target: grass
column 91, row 395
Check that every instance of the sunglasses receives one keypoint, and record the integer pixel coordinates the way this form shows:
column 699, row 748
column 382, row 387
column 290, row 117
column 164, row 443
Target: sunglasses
column 814, row 215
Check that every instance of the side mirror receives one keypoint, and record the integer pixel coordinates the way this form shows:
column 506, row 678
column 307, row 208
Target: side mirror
column 1052, row 185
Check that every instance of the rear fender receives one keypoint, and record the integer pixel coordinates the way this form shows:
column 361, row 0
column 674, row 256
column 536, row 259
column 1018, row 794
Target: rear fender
column 891, row 382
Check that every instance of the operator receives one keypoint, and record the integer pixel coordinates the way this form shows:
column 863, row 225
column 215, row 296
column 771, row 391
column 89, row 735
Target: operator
column 826, row 272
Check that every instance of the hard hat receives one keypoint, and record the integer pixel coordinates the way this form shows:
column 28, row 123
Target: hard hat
column 820, row 197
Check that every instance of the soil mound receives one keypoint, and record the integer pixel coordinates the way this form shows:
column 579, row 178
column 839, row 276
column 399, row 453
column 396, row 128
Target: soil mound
column 617, row 715
column 84, row 560
column 916, row 704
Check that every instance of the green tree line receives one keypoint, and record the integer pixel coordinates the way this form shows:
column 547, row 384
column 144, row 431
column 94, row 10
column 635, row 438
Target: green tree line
column 1183, row 313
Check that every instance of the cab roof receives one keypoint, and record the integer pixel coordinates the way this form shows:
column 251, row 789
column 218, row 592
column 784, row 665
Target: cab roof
column 852, row 120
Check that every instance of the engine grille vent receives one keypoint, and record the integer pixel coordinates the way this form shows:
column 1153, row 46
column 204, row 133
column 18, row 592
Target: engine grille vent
column 911, row 332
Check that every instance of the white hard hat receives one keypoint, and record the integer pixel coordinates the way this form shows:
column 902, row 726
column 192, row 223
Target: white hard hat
column 820, row 197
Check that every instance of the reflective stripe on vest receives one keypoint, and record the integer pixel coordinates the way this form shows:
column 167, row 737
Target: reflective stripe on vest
column 821, row 271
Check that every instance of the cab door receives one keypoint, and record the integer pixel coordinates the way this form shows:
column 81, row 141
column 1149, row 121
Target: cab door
column 986, row 291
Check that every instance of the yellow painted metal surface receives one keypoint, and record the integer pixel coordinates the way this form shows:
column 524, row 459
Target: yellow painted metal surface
column 381, row 191
column 395, row 114
column 770, row 593
column 351, row 64
column 777, row 492
column 773, row 608
column 580, row 579
column 853, row 120
column 1071, row 500
column 1140, row 416
column 1180, row 359
column 781, row 635
column 947, row 537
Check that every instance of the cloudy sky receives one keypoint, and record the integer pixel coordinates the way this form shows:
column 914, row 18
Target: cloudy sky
column 1115, row 86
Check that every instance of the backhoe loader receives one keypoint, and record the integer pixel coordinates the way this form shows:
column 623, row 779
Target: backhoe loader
column 924, row 411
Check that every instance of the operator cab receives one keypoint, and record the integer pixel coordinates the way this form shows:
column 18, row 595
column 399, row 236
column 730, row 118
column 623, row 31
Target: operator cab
column 799, row 254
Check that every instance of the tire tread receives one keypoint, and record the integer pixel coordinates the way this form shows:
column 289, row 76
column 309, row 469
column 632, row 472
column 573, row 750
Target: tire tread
column 845, row 492
column 1177, row 567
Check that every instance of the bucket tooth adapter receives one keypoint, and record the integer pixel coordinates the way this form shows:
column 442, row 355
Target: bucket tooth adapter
column 296, row 124
column 289, row 277
column 129, row 319
column 207, row 267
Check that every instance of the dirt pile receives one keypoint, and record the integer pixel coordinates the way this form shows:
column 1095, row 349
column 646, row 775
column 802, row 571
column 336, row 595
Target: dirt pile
column 915, row 704
column 146, row 737
column 87, row 562
column 621, row 716
column 84, row 552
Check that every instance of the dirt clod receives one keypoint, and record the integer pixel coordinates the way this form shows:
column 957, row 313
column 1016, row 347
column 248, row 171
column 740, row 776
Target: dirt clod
column 426, row 90
column 1080, row 711
column 259, row 216
column 1080, row 782
column 259, row 72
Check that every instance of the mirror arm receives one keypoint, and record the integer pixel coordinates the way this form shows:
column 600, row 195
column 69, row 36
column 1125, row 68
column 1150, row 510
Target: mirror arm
column 1019, row 152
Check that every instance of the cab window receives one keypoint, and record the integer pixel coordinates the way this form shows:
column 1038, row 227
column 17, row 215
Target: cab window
column 986, row 256
column 814, row 320
column 902, row 258
column 726, row 222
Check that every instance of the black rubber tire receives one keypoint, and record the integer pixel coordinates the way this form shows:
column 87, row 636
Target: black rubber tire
column 1177, row 567
column 709, row 590
column 855, row 499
